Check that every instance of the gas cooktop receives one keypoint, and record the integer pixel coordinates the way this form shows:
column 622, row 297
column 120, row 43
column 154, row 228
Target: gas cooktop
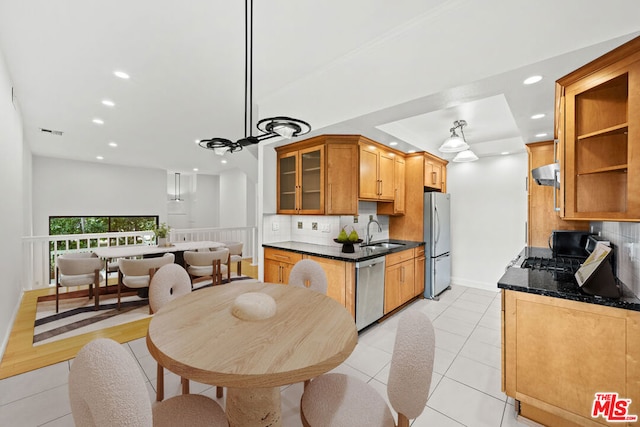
column 557, row 264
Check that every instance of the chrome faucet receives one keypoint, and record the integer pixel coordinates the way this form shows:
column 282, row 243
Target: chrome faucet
column 368, row 236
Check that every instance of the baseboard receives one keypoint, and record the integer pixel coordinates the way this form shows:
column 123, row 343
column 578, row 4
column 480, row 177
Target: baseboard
column 7, row 332
column 493, row 287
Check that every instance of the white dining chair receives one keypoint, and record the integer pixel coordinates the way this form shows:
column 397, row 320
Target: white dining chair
column 106, row 388
column 137, row 273
column 308, row 273
column 210, row 263
column 81, row 269
column 341, row 400
column 235, row 256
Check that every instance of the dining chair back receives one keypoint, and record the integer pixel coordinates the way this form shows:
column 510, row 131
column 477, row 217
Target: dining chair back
column 309, row 273
column 235, row 256
column 137, row 273
column 106, row 388
column 203, row 264
column 338, row 399
column 81, row 269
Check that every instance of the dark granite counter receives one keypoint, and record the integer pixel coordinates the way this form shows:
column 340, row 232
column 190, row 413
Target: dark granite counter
column 558, row 285
column 335, row 252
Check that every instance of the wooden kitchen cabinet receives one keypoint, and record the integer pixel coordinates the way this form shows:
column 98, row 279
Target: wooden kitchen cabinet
column 318, row 176
column 557, row 353
column 600, row 135
column 301, row 181
column 397, row 207
column 340, row 280
column 542, row 216
column 419, row 264
column 376, row 172
column 434, row 170
column 399, row 279
column 278, row 264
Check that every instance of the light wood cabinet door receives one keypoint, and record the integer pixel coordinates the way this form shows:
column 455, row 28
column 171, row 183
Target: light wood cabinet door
column 543, row 218
column 278, row 264
column 419, row 264
column 601, row 111
column 432, row 174
column 558, row 353
column 342, row 179
column 369, row 186
column 399, row 280
column 397, row 207
column 301, row 181
column 376, row 173
column 336, row 272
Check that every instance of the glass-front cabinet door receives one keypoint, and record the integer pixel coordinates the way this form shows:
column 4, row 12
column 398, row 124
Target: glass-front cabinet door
column 301, row 181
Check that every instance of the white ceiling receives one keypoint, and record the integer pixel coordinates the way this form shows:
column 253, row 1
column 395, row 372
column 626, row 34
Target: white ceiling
column 393, row 71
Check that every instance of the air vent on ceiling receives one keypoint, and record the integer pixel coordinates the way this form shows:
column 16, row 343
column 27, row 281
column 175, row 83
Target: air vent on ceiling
column 53, row 132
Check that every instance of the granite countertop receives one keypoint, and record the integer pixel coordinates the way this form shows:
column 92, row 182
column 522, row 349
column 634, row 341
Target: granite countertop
column 558, row 285
column 335, row 252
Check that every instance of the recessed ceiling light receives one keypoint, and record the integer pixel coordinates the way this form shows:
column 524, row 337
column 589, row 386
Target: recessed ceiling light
column 108, row 103
column 121, row 74
column 99, row 157
column 411, row 151
column 98, row 121
column 504, row 153
column 393, row 143
column 537, row 116
column 541, row 135
column 197, row 141
column 533, row 79
column 195, row 169
column 113, row 144
column 223, row 161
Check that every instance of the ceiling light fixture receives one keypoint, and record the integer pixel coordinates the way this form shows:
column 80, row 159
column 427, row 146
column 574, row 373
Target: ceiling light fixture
column 121, row 74
column 108, row 103
column 465, row 156
column 176, row 189
column 98, row 121
column 271, row 127
column 541, row 135
column 537, row 116
column 113, row 144
column 454, row 143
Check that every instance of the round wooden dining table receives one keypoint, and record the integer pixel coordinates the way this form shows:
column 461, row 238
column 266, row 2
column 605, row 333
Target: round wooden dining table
column 201, row 337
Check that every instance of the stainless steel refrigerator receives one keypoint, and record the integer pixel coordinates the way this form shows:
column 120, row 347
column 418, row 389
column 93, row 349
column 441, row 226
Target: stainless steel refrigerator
column 437, row 235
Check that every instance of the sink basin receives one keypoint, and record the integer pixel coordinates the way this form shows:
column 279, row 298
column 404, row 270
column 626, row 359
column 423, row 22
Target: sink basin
column 384, row 245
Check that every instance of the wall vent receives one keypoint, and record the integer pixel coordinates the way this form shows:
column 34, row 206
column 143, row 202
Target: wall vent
column 53, row 132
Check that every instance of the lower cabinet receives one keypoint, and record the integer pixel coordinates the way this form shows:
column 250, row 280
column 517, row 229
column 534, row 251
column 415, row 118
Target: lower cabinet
column 557, row 354
column 340, row 274
column 419, row 264
column 278, row 265
column 399, row 279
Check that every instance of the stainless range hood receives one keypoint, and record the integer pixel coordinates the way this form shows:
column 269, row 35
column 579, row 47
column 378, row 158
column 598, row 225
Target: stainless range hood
column 548, row 175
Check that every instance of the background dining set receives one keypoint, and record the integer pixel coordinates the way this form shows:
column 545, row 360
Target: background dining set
column 135, row 265
column 248, row 339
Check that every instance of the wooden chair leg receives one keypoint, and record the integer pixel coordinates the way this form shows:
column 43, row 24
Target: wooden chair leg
column 219, row 392
column 403, row 421
column 96, row 290
column 229, row 269
column 239, row 268
column 119, row 284
column 185, row 385
column 160, row 384
column 57, row 293
column 306, row 384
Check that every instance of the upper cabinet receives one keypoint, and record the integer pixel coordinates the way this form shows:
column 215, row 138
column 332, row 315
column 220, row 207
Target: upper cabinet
column 376, row 172
column 301, row 181
column 397, row 207
column 318, row 176
column 435, row 170
column 598, row 127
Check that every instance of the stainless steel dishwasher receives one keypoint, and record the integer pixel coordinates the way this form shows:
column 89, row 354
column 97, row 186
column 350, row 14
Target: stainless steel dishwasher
column 369, row 291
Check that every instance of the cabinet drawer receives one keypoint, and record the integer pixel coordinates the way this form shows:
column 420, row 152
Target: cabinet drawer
column 282, row 255
column 397, row 257
column 418, row 252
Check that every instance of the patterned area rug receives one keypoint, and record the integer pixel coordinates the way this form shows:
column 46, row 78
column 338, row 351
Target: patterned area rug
column 77, row 315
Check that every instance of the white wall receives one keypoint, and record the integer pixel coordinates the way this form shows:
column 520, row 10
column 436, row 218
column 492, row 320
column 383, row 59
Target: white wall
column 233, row 199
column 205, row 201
column 68, row 187
column 489, row 212
column 14, row 210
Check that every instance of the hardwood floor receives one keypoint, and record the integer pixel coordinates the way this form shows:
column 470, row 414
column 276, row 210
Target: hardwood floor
column 21, row 356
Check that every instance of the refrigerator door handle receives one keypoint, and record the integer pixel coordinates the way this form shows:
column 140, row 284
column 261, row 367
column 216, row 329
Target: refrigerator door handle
column 435, row 208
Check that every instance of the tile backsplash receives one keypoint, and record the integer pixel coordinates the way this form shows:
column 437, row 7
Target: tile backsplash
column 625, row 236
column 320, row 229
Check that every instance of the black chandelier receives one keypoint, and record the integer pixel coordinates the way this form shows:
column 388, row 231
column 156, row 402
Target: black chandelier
column 271, row 127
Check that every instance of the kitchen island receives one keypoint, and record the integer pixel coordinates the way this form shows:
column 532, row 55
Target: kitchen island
column 561, row 346
column 404, row 273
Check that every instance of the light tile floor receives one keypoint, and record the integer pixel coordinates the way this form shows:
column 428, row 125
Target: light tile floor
column 465, row 389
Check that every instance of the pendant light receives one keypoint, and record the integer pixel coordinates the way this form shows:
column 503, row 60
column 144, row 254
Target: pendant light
column 465, row 156
column 454, row 143
column 271, row 127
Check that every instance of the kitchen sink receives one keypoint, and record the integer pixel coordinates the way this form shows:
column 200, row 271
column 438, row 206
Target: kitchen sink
column 384, row 245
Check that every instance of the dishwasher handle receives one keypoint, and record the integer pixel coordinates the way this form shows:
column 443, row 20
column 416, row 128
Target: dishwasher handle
column 370, row 262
